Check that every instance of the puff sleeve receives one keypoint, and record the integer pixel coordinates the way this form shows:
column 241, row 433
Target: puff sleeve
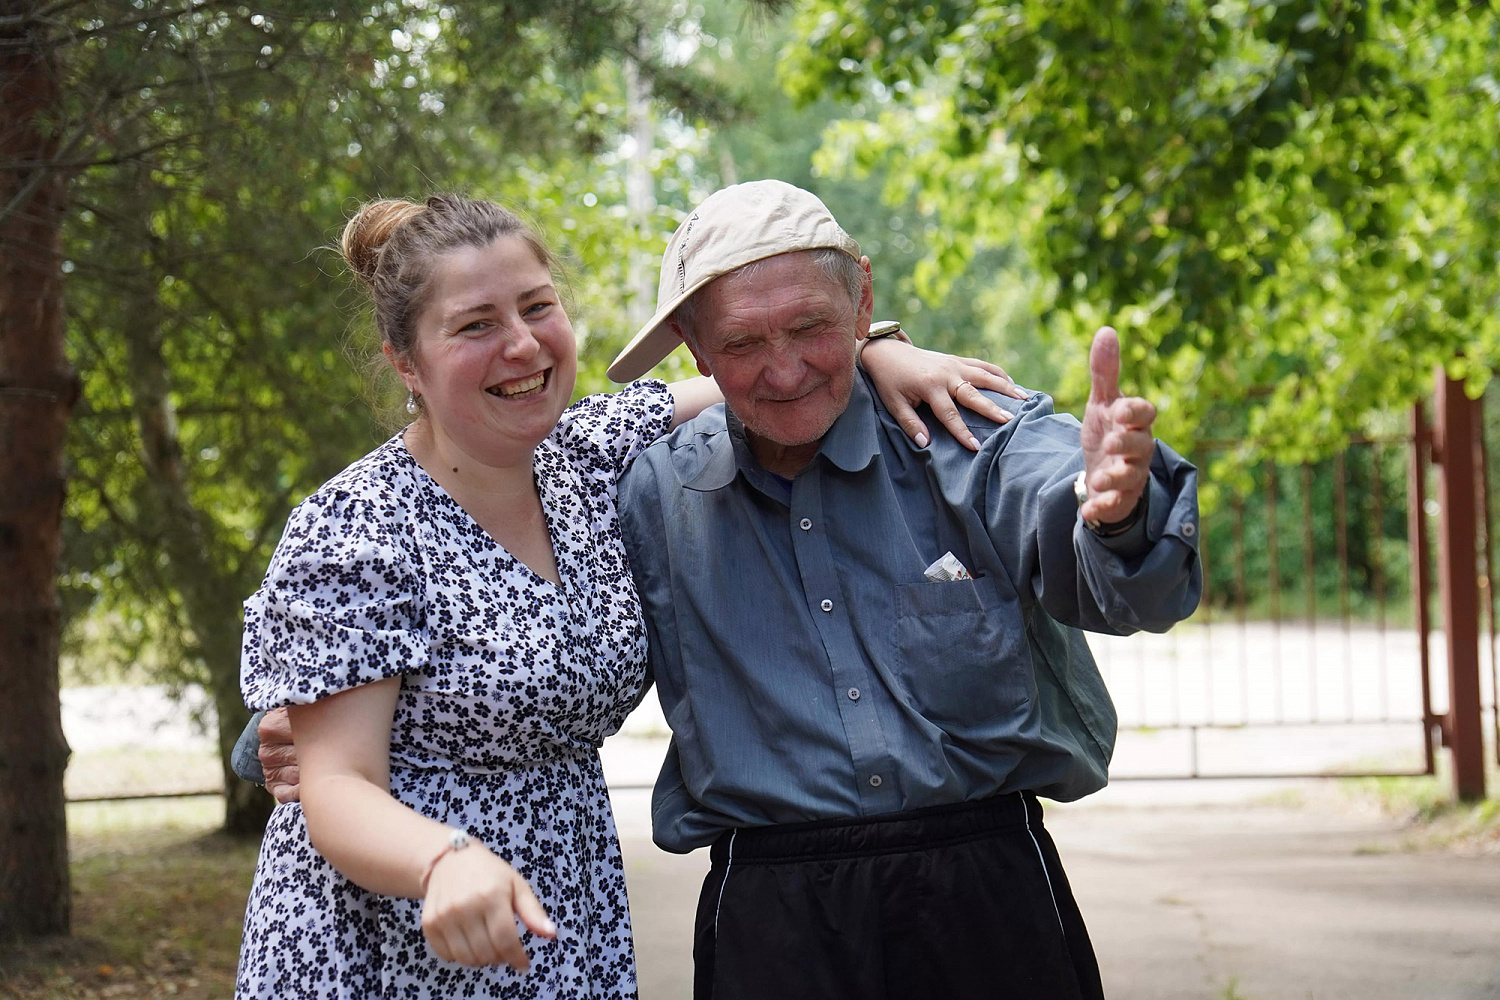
column 604, row 432
column 339, row 606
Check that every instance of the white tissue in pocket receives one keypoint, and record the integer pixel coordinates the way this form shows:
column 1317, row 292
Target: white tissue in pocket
column 946, row 569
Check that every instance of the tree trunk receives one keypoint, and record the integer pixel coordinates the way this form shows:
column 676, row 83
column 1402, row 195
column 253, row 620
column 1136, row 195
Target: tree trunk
column 195, row 567
column 37, row 391
column 640, row 194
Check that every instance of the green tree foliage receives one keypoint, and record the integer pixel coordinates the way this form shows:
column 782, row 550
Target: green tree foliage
column 222, row 148
column 984, row 308
column 1289, row 209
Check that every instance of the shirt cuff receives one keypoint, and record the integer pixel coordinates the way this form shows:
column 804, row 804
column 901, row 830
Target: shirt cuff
column 244, row 760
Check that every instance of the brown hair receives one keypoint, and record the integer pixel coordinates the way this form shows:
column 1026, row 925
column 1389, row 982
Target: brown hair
column 392, row 245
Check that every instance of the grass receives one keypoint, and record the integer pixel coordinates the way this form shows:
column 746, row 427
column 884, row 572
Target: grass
column 158, row 904
column 1232, row 991
column 1434, row 820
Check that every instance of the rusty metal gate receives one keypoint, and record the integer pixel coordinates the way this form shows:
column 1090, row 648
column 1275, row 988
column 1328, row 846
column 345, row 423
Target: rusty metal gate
column 1312, row 653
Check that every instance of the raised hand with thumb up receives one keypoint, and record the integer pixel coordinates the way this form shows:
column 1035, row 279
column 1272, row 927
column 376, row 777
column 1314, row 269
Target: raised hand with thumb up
column 1116, row 438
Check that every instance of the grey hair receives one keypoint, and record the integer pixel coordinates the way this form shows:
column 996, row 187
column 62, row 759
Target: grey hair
column 840, row 268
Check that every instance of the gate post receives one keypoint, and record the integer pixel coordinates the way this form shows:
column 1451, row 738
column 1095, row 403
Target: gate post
column 1455, row 444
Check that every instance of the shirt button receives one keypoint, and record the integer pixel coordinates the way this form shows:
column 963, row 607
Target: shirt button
column 1188, row 529
column 854, row 694
column 806, row 523
column 827, row 605
column 875, row 781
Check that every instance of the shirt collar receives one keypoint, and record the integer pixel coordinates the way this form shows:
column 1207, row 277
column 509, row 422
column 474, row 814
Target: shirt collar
column 851, row 444
column 854, row 439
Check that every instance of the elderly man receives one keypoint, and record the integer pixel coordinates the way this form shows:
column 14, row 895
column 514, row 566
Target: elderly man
column 868, row 649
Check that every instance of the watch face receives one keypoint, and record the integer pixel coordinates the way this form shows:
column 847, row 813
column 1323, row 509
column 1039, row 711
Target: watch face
column 884, row 328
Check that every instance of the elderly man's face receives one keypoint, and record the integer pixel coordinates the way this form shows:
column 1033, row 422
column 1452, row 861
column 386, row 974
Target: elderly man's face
column 780, row 344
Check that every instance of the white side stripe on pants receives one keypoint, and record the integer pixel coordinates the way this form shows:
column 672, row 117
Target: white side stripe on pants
column 729, row 863
column 1026, row 817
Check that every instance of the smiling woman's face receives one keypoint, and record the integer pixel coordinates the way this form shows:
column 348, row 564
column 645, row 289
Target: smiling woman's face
column 495, row 357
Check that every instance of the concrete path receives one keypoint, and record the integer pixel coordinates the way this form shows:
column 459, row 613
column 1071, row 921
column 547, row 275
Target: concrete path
column 1190, row 889
column 1195, row 901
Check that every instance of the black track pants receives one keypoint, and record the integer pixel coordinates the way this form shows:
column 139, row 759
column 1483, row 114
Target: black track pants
column 955, row 902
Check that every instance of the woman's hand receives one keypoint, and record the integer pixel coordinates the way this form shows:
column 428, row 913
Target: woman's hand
column 469, row 914
column 907, row 376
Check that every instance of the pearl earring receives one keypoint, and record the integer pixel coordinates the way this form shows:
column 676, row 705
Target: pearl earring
column 411, row 402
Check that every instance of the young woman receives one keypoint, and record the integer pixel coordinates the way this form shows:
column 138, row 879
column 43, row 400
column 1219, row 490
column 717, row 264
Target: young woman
column 453, row 622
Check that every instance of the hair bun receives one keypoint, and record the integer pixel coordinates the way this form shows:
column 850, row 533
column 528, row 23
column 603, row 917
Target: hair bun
column 370, row 230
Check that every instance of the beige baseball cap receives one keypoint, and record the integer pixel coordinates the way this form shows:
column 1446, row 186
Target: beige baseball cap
column 733, row 226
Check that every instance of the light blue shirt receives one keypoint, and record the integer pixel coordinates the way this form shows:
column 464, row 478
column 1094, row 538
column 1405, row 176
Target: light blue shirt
column 807, row 668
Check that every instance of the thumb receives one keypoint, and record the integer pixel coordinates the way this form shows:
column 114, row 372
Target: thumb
column 1104, row 367
column 529, row 909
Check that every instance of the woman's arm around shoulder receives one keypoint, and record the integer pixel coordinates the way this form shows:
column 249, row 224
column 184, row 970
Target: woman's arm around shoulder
column 907, row 376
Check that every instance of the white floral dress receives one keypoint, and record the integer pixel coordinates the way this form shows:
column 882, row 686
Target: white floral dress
column 508, row 686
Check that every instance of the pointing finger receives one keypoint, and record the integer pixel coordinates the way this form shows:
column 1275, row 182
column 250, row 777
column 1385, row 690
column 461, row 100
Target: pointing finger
column 530, row 910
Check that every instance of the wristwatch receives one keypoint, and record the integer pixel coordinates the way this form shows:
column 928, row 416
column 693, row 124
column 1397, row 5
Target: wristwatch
column 879, row 331
column 887, row 328
column 1081, row 494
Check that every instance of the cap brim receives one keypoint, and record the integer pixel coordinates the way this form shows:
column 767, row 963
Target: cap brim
column 655, row 341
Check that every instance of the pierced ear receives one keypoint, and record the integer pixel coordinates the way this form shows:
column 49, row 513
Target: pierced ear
column 403, row 369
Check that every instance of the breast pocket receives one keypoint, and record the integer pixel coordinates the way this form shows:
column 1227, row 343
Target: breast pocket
column 962, row 651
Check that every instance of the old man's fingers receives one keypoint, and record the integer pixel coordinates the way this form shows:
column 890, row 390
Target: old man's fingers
column 278, row 756
column 1118, row 474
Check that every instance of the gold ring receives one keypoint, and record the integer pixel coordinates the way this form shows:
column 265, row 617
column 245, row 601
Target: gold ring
column 960, row 385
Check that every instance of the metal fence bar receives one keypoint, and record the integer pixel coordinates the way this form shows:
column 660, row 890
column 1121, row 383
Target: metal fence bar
column 1206, row 602
column 1310, row 575
column 1421, row 580
column 143, row 796
column 1341, row 540
column 1273, row 578
column 1194, row 772
column 1140, row 680
column 1375, row 542
column 1237, row 726
column 1177, row 677
column 1488, row 580
column 1241, row 599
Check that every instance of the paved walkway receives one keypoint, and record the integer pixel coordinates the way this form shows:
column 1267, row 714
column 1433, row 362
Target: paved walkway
column 1190, row 889
column 1205, row 901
